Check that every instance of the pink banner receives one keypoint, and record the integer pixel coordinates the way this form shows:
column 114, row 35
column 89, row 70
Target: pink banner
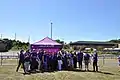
column 52, row 51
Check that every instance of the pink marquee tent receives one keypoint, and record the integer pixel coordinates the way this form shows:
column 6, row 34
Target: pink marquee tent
column 47, row 44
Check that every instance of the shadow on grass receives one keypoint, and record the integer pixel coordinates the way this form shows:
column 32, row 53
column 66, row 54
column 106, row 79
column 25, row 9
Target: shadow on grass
column 35, row 72
column 108, row 73
column 24, row 73
column 75, row 70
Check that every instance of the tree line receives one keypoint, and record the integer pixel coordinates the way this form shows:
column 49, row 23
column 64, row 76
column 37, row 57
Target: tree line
column 8, row 44
column 115, row 41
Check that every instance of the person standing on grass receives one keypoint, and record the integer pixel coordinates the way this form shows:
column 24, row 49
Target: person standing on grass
column 55, row 61
column 95, row 60
column 59, row 58
column 119, row 60
column 68, row 61
column 21, row 60
column 86, row 57
column 52, row 62
column 27, row 61
column 42, row 61
column 62, row 54
column 71, row 61
column 64, row 59
column 45, row 61
column 75, row 60
column 80, row 59
column 34, row 63
column 39, row 56
column 49, row 62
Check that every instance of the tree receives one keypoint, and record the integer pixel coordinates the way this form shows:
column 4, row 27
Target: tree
column 66, row 46
column 82, row 48
column 7, row 44
column 115, row 41
column 59, row 41
column 100, row 49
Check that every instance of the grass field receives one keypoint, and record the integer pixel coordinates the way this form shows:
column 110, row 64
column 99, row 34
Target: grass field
column 108, row 71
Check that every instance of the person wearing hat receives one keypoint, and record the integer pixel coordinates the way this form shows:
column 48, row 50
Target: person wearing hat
column 21, row 60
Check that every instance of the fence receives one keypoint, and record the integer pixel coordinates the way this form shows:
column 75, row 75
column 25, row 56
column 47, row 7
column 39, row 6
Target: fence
column 9, row 58
column 12, row 59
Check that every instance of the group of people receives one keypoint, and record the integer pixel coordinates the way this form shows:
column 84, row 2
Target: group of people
column 63, row 60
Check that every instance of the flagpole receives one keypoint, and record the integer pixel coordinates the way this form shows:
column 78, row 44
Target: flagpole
column 15, row 36
column 51, row 29
column 1, row 36
column 29, row 39
column 29, row 42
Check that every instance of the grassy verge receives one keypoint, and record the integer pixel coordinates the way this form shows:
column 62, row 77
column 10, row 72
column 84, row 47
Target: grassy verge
column 108, row 71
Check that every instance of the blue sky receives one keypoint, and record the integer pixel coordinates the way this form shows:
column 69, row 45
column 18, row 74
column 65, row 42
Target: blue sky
column 73, row 20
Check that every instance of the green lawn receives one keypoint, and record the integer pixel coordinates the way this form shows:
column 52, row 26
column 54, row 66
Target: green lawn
column 108, row 71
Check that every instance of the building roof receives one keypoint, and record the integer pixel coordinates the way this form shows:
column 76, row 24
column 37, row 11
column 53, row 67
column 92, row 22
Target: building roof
column 92, row 42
